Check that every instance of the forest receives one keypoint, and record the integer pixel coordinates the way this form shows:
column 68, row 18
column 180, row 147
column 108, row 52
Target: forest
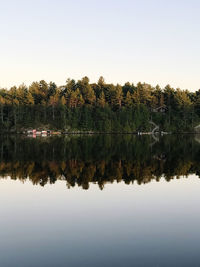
column 98, row 107
column 98, row 159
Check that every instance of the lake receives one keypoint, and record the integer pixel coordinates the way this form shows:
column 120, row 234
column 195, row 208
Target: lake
column 108, row 200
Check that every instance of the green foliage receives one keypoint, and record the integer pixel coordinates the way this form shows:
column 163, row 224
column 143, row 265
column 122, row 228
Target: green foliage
column 101, row 107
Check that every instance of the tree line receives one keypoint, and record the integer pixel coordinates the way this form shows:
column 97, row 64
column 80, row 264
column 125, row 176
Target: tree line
column 84, row 106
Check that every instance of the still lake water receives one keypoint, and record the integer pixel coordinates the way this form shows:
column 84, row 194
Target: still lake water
column 100, row 201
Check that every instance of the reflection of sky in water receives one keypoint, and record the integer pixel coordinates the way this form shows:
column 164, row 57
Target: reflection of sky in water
column 148, row 225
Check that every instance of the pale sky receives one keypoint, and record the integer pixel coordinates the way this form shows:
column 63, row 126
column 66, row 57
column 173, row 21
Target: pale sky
column 153, row 41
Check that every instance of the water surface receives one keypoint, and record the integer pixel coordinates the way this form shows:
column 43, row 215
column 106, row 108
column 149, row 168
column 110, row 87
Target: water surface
column 99, row 201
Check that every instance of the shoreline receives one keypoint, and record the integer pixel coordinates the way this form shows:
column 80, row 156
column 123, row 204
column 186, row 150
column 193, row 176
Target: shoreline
column 60, row 133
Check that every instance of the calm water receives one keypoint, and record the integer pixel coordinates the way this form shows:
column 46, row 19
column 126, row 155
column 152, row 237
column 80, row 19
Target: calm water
column 100, row 201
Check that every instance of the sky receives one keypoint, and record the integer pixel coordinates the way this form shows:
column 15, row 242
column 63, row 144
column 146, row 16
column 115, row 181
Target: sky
column 152, row 41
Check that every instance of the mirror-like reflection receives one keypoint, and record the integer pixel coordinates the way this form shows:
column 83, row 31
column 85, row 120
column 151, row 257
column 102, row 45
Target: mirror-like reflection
column 82, row 160
column 48, row 225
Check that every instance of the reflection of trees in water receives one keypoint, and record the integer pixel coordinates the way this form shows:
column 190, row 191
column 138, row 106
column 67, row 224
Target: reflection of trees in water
column 98, row 159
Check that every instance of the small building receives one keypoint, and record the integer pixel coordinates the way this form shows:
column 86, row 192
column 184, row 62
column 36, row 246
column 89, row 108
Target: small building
column 161, row 109
column 197, row 129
